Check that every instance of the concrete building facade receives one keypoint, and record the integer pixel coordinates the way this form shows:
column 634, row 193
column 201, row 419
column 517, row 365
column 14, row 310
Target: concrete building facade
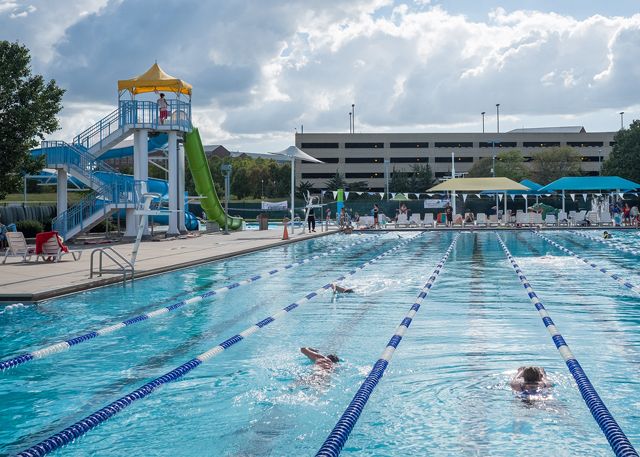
column 369, row 156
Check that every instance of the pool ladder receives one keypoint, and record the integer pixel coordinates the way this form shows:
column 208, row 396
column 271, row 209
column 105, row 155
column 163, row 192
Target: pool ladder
column 122, row 265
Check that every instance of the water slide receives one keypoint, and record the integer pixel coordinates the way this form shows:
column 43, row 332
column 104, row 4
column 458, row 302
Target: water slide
column 204, row 182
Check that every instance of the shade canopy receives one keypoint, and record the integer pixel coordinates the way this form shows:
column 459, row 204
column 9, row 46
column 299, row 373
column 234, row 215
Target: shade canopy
column 525, row 182
column 531, row 184
column 478, row 184
column 154, row 79
column 295, row 153
column 612, row 183
column 400, row 197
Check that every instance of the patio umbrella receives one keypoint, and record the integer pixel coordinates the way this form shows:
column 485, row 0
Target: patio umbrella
column 400, row 197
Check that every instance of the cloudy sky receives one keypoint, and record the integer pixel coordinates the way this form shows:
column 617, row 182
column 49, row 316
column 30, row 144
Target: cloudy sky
column 261, row 68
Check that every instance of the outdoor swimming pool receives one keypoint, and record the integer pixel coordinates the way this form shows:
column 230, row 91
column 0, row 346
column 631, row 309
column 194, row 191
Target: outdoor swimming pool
column 446, row 391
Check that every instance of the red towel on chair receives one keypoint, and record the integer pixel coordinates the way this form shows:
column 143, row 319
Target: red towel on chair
column 43, row 237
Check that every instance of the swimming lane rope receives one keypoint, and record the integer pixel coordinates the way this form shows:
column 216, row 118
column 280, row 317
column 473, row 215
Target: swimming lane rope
column 340, row 433
column 64, row 345
column 604, row 271
column 617, row 439
column 81, row 427
column 609, row 242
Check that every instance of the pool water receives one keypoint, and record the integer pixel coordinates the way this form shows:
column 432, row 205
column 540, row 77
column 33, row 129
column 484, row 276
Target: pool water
column 446, row 391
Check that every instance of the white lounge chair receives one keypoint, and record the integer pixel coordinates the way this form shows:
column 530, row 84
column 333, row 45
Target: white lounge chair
column 18, row 247
column 481, row 219
column 493, row 220
column 52, row 249
column 550, row 219
column 562, row 218
column 592, row 217
column 605, row 218
column 522, row 219
column 536, row 218
column 402, row 220
column 428, row 220
column 415, row 220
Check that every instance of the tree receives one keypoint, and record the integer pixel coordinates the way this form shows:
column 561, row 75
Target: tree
column 624, row 160
column 28, row 109
column 303, row 188
column 336, row 182
column 509, row 164
column 399, row 181
column 554, row 163
column 421, row 178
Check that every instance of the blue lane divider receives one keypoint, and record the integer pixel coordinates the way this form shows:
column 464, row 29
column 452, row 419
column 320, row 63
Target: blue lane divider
column 617, row 439
column 81, row 427
column 619, row 279
column 61, row 346
column 334, row 443
column 609, row 242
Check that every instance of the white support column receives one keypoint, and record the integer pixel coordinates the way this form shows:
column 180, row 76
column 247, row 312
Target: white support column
column 174, row 196
column 181, row 205
column 140, row 173
column 61, row 191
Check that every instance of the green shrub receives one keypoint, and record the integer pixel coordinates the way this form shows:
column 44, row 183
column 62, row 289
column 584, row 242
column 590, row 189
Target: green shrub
column 29, row 228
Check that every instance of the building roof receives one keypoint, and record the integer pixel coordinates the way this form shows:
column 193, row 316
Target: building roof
column 567, row 129
column 478, row 184
column 613, row 183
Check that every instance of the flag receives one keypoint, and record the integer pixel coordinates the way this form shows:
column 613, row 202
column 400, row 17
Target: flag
column 513, row 197
column 381, row 194
column 346, row 195
column 500, row 197
column 584, row 197
column 464, row 197
column 335, row 194
column 478, row 195
column 573, row 197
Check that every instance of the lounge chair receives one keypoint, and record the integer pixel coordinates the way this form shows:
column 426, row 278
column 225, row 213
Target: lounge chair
column 415, row 220
column 562, row 218
column 481, row 219
column 493, row 220
column 605, row 218
column 536, row 219
column 522, row 219
column 428, row 220
column 550, row 220
column 592, row 217
column 402, row 220
column 458, row 220
column 52, row 248
column 18, row 247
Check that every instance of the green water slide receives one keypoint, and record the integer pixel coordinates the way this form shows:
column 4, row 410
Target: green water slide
column 204, row 182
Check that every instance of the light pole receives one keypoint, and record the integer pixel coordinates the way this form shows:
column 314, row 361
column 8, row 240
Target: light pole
column 386, row 178
column 483, row 113
column 262, row 189
column 353, row 111
column 226, row 170
column 600, row 162
column 498, row 116
column 350, row 129
column 621, row 120
column 493, row 168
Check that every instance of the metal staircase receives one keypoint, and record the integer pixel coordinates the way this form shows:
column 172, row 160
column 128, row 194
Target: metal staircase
column 111, row 190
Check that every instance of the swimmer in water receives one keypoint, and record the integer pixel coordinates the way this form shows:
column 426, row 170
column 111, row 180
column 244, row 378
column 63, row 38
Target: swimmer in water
column 326, row 362
column 530, row 380
column 338, row 289
column 606, row 235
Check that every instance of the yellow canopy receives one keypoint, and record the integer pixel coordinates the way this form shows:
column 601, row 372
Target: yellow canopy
column 154, row 79
column 478, row 185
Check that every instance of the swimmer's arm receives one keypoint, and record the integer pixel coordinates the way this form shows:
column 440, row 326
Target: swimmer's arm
column 312, row 353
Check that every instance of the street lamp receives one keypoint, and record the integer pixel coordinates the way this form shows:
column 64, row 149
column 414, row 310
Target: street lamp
column 621, row 120
column 350, row 129
column 226, row 170
column 600, row 162
column 262, row 189
column 353, row 110
column 498, row 116
column 493, row 168
column 483, row 113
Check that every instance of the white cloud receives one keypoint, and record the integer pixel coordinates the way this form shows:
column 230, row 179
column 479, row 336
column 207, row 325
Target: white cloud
column 261, row 68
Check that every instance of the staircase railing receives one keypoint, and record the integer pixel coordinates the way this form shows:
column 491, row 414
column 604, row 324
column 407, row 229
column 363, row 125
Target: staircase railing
column 100, row 130
column 59, row 154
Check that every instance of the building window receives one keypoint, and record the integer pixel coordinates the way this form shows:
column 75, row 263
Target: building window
column 442, row 174
column 364, row 145
column 363, row 160
column 457, row 159
column 612, row 143
column 369, row 175
column 319, row 146
column 409, row 159
column 462, row 144
column 499, row 144
column 585, row 144
column 591, row 158
column 406, row 144
column 540, row 144
column 325, row 160
column 317, row 175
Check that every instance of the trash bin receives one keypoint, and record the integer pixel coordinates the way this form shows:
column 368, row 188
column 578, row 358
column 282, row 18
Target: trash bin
column 263, row 221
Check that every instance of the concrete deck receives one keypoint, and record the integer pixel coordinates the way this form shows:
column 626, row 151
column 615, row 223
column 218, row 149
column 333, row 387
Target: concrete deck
column 31, row 281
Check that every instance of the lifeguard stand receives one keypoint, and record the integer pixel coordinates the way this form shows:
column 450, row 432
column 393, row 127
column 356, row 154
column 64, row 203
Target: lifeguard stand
column 143, row 117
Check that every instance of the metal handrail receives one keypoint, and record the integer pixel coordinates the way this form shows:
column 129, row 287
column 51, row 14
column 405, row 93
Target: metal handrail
column 124, row 268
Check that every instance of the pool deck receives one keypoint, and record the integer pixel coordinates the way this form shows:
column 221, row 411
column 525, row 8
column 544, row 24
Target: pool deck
column 31, row 281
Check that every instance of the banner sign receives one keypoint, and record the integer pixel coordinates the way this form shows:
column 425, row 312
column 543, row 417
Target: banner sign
column 275, row 206
column 435, row 203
